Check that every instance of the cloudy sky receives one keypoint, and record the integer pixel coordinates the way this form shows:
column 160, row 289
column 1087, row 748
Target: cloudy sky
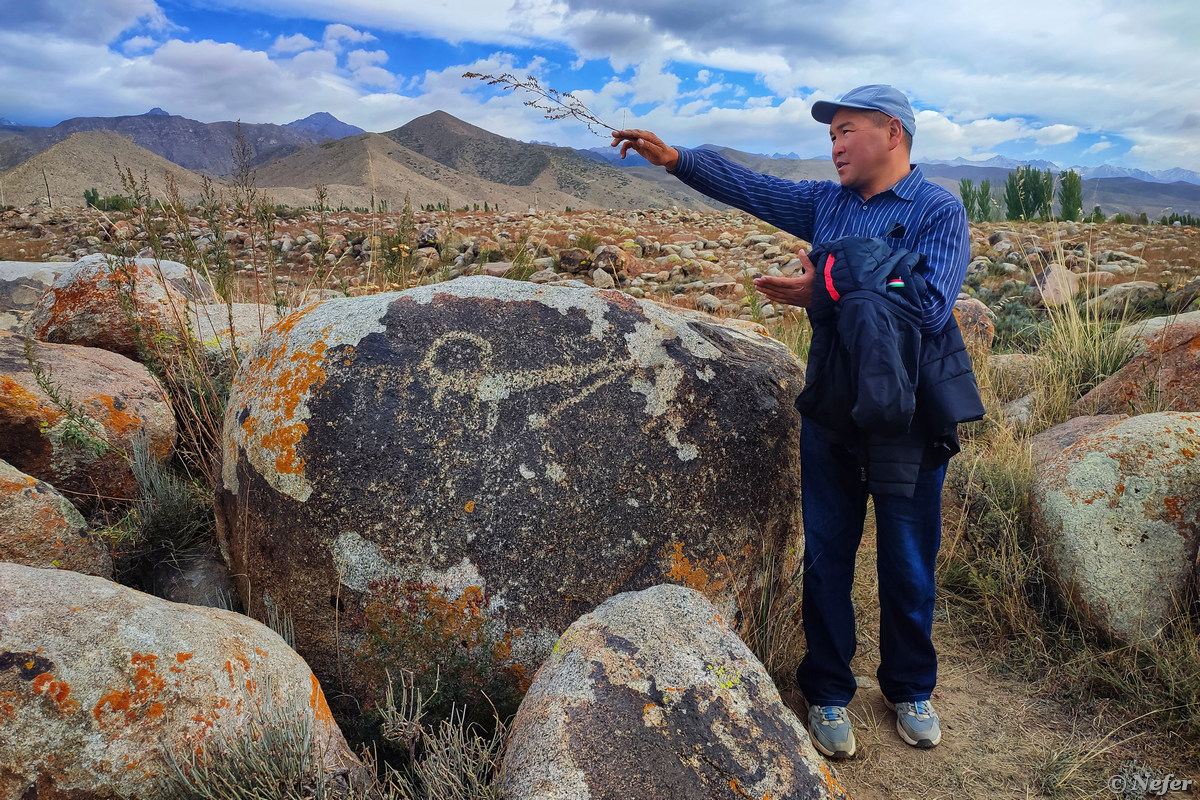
column 1078, row 82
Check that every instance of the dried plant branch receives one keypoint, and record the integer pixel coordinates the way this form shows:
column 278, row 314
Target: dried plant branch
column 553, row 103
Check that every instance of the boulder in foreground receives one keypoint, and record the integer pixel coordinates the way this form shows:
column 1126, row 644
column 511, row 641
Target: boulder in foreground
column 1117, row 518
column 97, row 681
column 652, row 696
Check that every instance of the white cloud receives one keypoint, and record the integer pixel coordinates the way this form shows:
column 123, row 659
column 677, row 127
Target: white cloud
column 292, row 44
column 375, row 76
column 357, row 59
column 95, row 21
column 1055, row 134
column 337, row 35
column 139, row 44
column 1099, row 147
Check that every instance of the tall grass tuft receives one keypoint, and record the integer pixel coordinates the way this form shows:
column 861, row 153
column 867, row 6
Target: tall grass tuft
column 1077, row 349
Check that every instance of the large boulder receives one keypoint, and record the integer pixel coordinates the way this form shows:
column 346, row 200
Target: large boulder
column 1140, row 335
column 1056, row 285
column 82, row 453
column 40, row 528
column 1165, row 375
column 1117, row 518
column 540, row 447
column 224, row 330
column 652, row 695
column 1128, row 297
column 22, row 284
column 112, row 303
column 1054, row 440
column 98, row 682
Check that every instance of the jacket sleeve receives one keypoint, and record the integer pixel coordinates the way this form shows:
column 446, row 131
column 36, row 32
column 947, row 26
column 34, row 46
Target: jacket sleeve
column 885, row 387
column 789, row 205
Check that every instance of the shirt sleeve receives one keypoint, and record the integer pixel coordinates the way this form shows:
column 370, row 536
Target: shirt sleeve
column 946, row 244
column 788, row 205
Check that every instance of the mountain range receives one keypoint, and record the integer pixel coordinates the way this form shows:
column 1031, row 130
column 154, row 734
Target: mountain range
column 437, row 157
column 1102, row 171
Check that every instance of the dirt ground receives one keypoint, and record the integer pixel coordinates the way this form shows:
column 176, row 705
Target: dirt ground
column 1001, row 737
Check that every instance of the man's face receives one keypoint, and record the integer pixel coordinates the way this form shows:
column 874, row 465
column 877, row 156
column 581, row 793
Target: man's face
column 861, row 148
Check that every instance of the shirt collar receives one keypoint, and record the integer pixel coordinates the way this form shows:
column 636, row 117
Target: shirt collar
column 906, row 188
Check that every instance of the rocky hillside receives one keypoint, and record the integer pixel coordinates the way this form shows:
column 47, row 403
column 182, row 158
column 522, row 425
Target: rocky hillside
column 475, row 152
column 206, row 147
column 85, row 161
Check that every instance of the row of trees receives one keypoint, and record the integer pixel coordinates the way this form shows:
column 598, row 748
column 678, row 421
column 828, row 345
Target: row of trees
column 1027, row 194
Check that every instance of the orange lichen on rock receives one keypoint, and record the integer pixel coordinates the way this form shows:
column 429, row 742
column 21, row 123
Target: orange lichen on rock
column 319, row 705
column 682, row 570
column 832, row 785
column 118, row 418
column 21, row 401
column 58, row 691
column 141, row 700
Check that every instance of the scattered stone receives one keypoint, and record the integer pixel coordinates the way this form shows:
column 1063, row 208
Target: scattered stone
column 1128, row 297
column 40, row 528
column 198, row 579
column 1013, row 374
column 498, row 269
column 1116, row 516
column 1019, row 412
column 22, row 284
column 574, row 260
column 1141, row 334
column 708, row 302
column 100, row 680
column 652, row 695
column 975, row 321
column 544, row 276
column 1056, row 285
column 602, row 279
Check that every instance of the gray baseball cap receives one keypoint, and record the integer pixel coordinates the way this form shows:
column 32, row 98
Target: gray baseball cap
column 872, row 97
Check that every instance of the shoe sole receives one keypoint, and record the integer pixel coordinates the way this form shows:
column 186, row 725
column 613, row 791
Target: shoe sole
column 923, row 744
column 840, row 755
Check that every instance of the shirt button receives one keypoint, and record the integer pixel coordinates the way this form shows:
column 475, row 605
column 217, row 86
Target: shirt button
column 864, row 208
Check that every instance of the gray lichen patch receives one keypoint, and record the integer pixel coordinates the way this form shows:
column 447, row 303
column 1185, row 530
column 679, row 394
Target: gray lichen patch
column 266, row 416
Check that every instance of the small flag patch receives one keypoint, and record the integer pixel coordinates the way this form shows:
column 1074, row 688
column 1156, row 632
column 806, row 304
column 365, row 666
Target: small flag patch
column 895, row 283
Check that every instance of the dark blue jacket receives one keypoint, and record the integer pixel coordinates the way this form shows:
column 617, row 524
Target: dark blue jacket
column 888, row 394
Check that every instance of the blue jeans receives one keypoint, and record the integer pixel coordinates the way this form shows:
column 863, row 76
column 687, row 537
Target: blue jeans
column 909, row 532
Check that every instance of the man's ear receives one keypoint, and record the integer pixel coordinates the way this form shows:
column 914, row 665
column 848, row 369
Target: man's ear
column 895, row 133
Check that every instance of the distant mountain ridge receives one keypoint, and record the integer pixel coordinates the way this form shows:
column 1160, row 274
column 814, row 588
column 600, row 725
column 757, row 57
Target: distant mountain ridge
column 200, row 146
column 1102, row 171
column 438, row 157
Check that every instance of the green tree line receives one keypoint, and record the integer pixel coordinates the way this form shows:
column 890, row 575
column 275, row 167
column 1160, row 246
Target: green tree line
column 1027, row 194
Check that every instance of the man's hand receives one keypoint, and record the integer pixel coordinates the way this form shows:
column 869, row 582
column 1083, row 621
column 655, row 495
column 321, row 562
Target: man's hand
column 794, row 291
column 648, row 146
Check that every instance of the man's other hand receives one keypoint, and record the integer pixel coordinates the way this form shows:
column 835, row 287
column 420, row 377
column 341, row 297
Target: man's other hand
column 648, row 146
column 794, row 291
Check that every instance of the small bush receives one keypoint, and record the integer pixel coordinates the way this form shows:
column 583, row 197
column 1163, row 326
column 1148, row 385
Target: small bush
column 587, row 241
column 414, row 627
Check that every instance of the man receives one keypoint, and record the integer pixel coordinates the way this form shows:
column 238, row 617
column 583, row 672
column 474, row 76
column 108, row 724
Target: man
column 881, row 195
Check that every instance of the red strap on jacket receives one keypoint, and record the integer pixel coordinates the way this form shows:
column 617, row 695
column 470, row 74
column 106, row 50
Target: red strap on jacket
column 829, row 279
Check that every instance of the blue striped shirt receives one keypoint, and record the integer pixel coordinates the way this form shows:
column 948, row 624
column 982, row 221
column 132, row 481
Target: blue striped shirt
column 921, row 216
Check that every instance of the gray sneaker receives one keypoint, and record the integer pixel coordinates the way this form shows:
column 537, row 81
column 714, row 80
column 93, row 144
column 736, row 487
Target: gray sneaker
column 917, row 723
column 830, row 729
